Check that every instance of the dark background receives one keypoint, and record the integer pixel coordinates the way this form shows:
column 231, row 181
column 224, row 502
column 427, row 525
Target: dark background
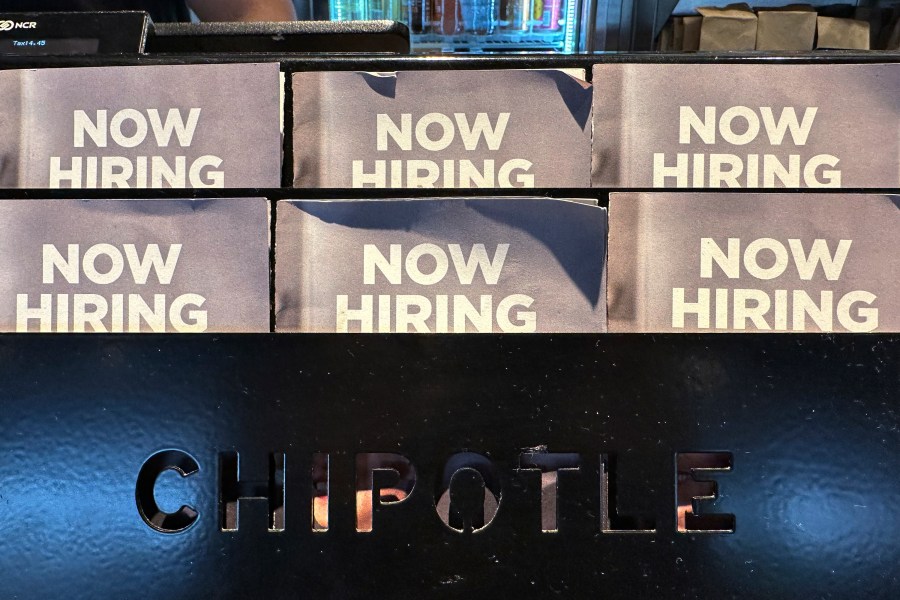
column 812, row 423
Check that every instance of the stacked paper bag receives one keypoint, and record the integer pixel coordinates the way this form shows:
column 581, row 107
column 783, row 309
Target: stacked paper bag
column 479, row 265
column 441, row 129
column 172, row 126
column 746, row 126
column 792, row 28
column 795, row 27
column 677, row 262
column 754, row 262
column 134, row 266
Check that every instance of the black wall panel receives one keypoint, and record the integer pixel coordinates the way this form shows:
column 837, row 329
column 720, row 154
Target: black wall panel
column 812, row 424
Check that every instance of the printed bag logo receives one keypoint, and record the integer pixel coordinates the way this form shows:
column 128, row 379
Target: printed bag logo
column 8, row 25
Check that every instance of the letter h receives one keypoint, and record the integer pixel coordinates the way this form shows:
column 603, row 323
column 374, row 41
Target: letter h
column 232, row 490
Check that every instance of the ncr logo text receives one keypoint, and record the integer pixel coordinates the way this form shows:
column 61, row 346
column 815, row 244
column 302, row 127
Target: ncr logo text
column 10, row 25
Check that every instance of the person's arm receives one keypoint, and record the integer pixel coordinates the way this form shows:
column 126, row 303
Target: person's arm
column 243, row 10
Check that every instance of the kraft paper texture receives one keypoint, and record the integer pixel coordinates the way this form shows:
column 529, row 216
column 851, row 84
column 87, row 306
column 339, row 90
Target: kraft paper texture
column 224, row 258
column 729, row 28
column 845, row 34
column 555, row 256
column 238, row 123
column 336, row 124
column 638, row 115
column 656, row 248
column 786, row 30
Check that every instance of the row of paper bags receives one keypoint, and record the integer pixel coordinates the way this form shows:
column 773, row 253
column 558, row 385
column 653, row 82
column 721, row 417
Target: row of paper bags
column 635, row 125
column 796, row 27
column 649, row 263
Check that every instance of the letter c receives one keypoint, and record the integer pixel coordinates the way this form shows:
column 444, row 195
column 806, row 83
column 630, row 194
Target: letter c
column 164, row 522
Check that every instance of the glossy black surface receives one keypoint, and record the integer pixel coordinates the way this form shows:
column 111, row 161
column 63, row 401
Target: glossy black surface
column 355, row 62
column 812, row 424
column 388, row 37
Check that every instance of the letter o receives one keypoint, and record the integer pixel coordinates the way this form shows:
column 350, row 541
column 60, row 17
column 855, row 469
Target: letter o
column 469, row 495
column 751, row 256
column 447, row 133
column 90, row 269
column 728, row 117
column 440, row 267
column 115, row 128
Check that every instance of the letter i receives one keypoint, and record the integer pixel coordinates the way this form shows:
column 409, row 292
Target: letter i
column 90, row 176
column 699, row 170
column 449, row 174
column 781, row 323
column 320, row 488
column 141, row 168
column 752, row 170
column 396, row 182
column 118, row 313
column 441, row 314
column 722, row 308
column 62, row 313
column 384, row 313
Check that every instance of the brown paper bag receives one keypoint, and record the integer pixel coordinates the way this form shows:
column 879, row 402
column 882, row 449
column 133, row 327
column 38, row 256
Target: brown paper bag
column 786, row 30
column 692, row 26
column 729, row 28
column 664, row 42
column 677, row 33
column 842, row 34
column 877, row 18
